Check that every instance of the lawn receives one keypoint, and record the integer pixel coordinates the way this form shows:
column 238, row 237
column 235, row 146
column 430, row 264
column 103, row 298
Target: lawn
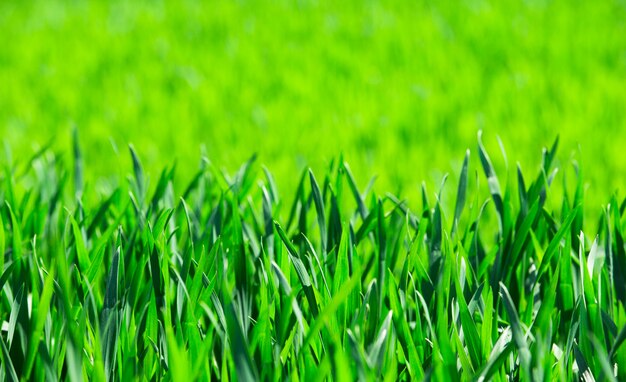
column 284, row 191
column 395, row 88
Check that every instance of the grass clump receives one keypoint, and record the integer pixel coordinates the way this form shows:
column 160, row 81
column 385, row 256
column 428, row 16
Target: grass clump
column 230, row 279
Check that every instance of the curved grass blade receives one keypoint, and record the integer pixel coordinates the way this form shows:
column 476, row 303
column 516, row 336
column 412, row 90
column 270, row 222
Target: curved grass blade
column 331, row 308
column 319, row 207
column 518, row 332
column 556, row 242
column 7, row 362
column 404, row 334
column 140, row 181
column 301, row 271
column 492, row 179
column 43, row 309
column 461, row 191
column 499, row 354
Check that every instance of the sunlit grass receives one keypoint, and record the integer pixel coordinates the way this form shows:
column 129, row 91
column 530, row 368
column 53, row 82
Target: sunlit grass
column 227, row 278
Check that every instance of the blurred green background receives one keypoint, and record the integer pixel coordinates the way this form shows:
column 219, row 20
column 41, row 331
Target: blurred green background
column 399, row 87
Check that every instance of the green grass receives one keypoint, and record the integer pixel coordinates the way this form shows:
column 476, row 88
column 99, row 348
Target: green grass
column 169, row 261
column 231, row 278
column 394, row 86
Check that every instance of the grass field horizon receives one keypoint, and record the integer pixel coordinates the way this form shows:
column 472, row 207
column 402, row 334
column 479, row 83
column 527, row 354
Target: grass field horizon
column 101, row 178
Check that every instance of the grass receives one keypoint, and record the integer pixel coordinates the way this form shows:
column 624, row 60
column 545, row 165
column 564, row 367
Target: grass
column 230, row 278
column 397, row 85
column 165, row 260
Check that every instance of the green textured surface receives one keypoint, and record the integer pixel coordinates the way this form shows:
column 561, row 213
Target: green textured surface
column 394, row 86
column 112, row 268
column 211, row 281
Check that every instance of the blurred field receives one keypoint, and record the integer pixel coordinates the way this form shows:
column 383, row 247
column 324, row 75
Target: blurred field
column 400, row 88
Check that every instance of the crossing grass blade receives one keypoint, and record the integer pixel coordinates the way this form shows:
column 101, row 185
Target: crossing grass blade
column 9, row 370
column 376, row 353
column 619, row 340
column 43, row 308
column 246, row 370
column 556, row 242
column 16, row 306
column 470, row 330
column 81, row 248
column 301, row 271
column 414, row 364
column 329, row 309
column 518, row 331
column 501, row 351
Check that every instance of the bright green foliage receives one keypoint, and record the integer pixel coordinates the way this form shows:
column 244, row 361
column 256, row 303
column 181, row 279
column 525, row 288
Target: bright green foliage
column 213, row 282
column 393, row 85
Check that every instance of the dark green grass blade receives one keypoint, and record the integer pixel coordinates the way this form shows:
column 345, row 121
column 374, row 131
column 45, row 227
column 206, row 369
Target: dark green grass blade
column 139, row 173
column 492, row 179
column 43, row 309
column 518, row 332
column 303, row 274
column 522, row 193
column 362, row 209
column 319, row 207
column 619, row 340
column 100, row 215
column 109, row 319
column 404, row 334
column 78, row 164
column 556, row 242
column 15, row 312
column 246, row 370
column 472, row 339
column 17, row 235
column 7, row 363
column 330, row 309
column 461, row 192
column 501, row 351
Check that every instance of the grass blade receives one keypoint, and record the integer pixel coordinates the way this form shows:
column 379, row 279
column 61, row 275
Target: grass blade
column 462, row 190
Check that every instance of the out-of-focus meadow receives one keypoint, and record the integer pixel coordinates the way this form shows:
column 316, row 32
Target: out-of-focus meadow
column 399, row 88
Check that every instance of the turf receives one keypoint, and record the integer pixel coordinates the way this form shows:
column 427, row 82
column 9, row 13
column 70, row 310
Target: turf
column 227, row 279
column 134, row 245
